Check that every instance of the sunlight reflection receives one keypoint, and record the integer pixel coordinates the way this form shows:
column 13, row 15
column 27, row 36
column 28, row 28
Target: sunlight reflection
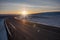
column 38, row 30
column 34, row 25
column 23, row 21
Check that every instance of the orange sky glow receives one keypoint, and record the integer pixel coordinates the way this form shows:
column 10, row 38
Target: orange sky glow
column 28, row 11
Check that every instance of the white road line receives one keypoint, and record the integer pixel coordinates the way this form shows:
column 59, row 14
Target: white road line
column 12, row 26
column 8, row 29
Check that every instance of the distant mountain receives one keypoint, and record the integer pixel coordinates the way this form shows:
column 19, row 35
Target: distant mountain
column 48, row 13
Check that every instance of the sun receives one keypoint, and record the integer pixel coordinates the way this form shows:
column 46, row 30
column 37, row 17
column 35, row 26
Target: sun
column 24, row 13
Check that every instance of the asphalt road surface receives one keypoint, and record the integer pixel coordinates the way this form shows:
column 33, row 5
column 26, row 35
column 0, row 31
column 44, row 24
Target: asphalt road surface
column 25, row 30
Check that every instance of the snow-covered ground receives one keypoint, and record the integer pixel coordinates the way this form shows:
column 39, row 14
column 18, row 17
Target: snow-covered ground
column 3, row 32
column 52, row 19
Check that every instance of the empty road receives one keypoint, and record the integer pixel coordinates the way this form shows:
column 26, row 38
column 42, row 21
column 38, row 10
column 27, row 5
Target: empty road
column 25, row 30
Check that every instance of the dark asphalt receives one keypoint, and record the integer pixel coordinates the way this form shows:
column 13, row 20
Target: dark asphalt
column 24, row 30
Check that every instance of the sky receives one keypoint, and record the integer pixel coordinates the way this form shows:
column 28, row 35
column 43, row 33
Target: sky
column 32, row 6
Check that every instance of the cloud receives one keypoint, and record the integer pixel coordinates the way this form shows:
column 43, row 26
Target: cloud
column 11, row 5
column 34, row 2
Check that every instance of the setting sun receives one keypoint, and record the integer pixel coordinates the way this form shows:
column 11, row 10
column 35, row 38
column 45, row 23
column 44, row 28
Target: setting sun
column 24, row 13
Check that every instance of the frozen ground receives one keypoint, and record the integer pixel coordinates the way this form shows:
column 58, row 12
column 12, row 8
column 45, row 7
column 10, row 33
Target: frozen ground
column 51, row 19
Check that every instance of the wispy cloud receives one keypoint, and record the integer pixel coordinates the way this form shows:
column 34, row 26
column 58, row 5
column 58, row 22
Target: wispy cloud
column 10, row 5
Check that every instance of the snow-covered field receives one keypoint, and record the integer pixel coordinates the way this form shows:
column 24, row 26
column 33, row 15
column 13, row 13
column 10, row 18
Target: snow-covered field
column 51, row 19
column 3, row 32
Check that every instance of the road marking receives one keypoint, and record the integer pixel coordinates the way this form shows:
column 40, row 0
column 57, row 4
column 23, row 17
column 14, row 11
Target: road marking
column 12, row 26
column 8, row 29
